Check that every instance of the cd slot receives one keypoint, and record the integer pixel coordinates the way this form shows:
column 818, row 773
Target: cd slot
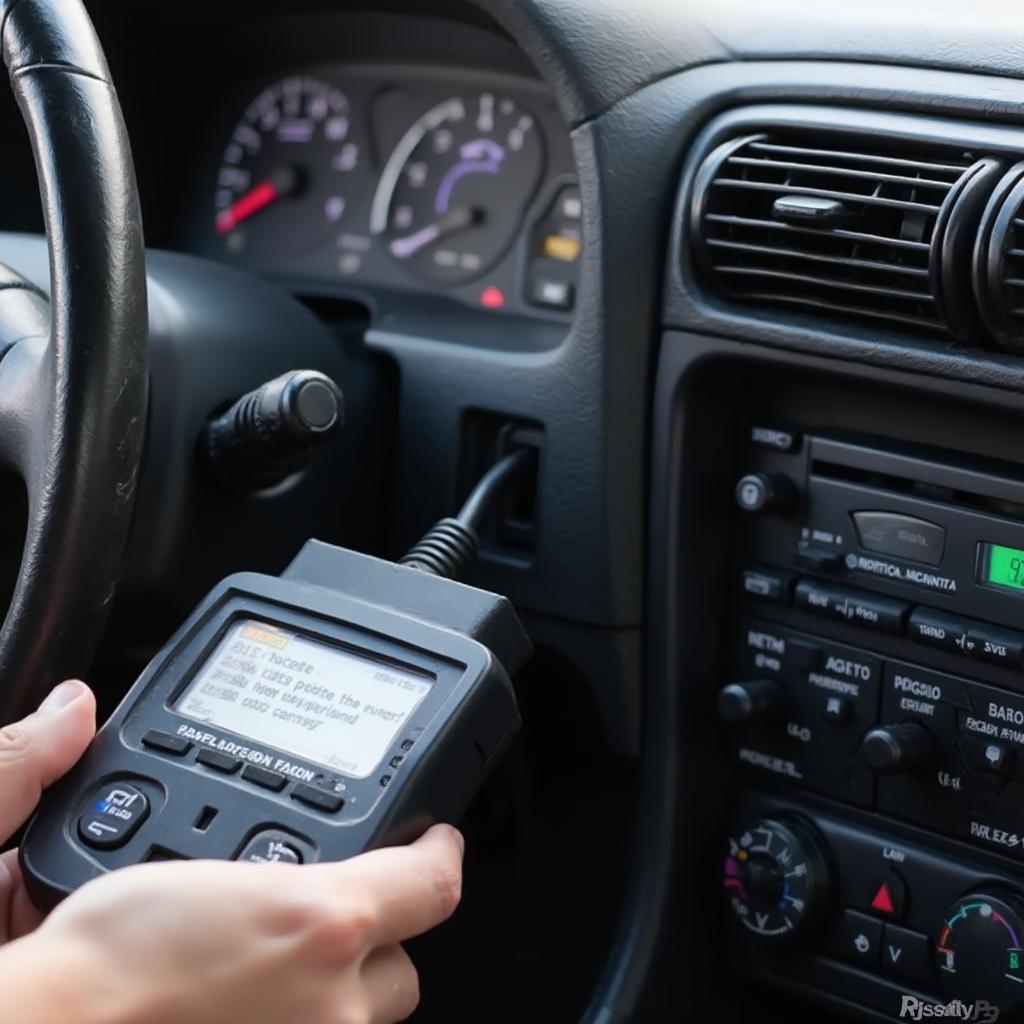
column 995, row 490
column 917, row 489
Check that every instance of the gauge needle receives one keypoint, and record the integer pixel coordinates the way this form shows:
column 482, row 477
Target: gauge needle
column 282, row 183
column 455, row 220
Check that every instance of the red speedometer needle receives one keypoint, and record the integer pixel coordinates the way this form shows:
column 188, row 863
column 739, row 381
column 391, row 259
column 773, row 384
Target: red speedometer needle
column 281, row 183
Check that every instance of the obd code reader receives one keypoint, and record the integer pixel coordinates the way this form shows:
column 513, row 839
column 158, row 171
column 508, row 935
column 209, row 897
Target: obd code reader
column 348, row 704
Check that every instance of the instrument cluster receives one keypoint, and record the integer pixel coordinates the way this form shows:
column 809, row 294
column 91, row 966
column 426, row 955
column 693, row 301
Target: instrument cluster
column 383, row 181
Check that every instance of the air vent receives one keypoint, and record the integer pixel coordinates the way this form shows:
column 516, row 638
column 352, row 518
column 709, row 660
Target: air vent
column 855, row 228
column 999, row 261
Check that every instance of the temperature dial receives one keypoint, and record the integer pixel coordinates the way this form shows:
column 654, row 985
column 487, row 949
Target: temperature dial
column 979, row 952
column 776, row 878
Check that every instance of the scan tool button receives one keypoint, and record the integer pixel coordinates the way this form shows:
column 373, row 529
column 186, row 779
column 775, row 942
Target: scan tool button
column 321, row 799
column 112, row 816
column 271, row 847
column 218, row 761
column 264, row 777
column 166, row 742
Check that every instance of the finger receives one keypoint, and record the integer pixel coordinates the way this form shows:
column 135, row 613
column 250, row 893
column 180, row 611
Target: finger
column 391, row 984
column 409, row 889
column 22, row 915
column 41, row 748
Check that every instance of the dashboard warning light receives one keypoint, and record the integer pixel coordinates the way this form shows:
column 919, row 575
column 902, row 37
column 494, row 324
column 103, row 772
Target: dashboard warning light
column 492, row 297
column 562, row 247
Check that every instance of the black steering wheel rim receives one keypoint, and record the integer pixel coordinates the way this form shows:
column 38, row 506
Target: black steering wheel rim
column 73, row 372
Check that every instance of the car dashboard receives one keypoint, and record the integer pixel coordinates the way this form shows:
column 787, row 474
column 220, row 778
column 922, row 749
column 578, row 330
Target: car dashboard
column 750, row 279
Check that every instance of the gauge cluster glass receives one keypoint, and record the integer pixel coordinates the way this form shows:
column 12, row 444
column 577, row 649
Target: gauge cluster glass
column 389, row 183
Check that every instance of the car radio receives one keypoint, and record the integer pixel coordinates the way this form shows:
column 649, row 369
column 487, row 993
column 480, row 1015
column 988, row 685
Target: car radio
column 875, row 660
column 348, row 704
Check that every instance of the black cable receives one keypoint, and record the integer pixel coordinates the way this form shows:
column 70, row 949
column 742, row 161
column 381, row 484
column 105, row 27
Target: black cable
column 478, row 504
column 449, row 548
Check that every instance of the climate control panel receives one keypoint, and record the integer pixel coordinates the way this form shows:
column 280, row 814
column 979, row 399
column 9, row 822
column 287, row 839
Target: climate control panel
column 871, row 917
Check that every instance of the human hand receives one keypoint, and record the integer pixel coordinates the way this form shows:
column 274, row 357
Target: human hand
column 35, row 752
column 210, row 941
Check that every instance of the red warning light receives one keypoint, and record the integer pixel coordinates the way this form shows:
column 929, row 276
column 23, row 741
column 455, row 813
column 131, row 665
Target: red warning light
column 492, row 297
column 883, row 900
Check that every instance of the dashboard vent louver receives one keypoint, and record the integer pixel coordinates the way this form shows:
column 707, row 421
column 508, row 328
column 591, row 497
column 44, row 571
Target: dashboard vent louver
column 854, row 228
column 999, row 261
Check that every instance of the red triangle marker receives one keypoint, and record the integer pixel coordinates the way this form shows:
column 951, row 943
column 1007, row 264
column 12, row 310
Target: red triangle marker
column 883, row 900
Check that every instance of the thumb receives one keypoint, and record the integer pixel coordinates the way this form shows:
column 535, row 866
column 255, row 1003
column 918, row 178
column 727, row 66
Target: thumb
column 41, row 748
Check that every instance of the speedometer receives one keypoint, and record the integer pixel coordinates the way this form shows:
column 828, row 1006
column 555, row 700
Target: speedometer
column 283, row 179
column 453, row 195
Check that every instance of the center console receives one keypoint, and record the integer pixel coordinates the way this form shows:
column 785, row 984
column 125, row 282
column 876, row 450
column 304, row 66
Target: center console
column 845, row 639
column 875, row 657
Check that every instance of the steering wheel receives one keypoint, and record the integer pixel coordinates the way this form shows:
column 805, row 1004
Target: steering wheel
column 73, row 375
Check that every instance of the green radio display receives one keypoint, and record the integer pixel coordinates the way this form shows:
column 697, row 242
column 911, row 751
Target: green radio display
column 1001, row 566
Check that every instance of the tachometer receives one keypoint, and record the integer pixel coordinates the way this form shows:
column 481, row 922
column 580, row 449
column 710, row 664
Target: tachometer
column 283, row 177
column 452, row 196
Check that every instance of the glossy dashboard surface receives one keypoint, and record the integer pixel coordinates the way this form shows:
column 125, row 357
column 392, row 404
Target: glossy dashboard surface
column 388, row 180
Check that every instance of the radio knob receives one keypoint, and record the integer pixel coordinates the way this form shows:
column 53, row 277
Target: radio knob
column 761, row 700
column 904, row 747
column 760, row 493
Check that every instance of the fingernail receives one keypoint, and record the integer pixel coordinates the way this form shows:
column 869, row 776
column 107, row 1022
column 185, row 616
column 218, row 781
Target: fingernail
column 62, row 695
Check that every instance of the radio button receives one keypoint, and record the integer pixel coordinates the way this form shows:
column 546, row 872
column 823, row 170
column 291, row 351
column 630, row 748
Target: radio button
column 999, row 646
column 985, row 755
column 837, row 710
column 774, row 438
column 870, row 611
column 936, row 629
column 818, row 559
column 889, row 533
column 767, row 584
column 112, row 816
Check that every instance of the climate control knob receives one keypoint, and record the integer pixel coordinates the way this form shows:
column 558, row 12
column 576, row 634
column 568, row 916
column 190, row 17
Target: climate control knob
column 776, row 878
column 761, row 700
column 760, row 493
column 978, row 951
column 903, row 747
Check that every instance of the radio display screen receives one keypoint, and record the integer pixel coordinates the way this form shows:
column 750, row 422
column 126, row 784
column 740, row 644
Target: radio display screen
column 1001, row 566
column 302, row 696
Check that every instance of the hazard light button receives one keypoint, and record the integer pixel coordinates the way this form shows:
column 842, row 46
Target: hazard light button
column 888, row 896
